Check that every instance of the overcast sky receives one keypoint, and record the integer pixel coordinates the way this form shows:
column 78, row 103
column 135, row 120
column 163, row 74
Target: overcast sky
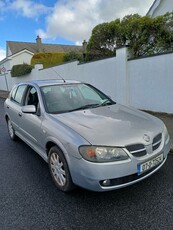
column 60, row 21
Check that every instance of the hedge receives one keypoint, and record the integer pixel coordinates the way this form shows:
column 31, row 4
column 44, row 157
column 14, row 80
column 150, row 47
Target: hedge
column 20, row 70
column 71, row 56
column 48, row 59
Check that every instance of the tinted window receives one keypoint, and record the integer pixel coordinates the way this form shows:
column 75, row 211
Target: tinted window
column 19, row 93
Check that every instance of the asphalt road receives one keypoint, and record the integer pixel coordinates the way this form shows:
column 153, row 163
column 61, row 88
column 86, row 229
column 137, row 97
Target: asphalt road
column 29, row 199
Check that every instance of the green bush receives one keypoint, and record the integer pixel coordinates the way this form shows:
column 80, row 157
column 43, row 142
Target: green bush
column 20, row 70
column 48, row 59
column 73, row 56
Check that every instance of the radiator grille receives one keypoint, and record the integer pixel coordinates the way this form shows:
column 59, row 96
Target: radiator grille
column 139, row 150
column 157, row 141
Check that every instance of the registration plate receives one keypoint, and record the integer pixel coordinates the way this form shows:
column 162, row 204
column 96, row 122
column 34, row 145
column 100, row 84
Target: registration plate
column 150, row 164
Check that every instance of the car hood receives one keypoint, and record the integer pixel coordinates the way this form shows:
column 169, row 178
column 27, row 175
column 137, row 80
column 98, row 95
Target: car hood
column 114, row 125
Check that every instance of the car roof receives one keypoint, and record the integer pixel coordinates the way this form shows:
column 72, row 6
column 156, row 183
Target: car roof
column 41, row 83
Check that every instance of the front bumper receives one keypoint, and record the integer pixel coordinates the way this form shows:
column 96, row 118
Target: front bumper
column 92, row 176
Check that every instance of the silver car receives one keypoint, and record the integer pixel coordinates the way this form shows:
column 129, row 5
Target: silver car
column 86, row 138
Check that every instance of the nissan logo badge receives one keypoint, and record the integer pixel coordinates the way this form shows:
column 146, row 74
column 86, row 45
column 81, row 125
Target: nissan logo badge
column 146, row 138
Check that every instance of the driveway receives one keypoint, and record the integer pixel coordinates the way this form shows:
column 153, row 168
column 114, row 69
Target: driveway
column 29, row 199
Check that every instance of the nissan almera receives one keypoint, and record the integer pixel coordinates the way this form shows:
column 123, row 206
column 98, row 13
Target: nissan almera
column 86, row 138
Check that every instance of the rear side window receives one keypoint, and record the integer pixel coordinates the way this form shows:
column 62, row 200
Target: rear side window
column 17, row 95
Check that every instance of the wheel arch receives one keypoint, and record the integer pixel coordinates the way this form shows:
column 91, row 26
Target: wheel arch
column 52, row 143
column 49, row 145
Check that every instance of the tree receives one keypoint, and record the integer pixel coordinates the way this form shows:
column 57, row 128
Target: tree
column 101, row 43
column 144, row 35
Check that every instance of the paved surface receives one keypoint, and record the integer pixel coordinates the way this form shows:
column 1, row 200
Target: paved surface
column 29, row 200
column 3, row 94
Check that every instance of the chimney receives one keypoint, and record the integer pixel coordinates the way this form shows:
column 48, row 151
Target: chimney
column 84, row 44
column 38, row 41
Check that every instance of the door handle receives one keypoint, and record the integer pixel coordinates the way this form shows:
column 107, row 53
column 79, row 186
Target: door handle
column 8, row 107
column 20, row 114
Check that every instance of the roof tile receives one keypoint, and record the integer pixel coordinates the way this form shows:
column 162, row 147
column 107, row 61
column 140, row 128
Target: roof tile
column 16, row 47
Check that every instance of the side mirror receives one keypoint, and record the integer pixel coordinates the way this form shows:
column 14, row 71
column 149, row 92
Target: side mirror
column 29, row 109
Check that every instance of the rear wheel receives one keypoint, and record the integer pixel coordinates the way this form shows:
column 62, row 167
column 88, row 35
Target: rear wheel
column 11, row 130
column 59, row 170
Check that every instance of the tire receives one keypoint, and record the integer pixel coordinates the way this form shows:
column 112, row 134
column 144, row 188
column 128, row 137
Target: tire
column 11, row 130
column 59, row 170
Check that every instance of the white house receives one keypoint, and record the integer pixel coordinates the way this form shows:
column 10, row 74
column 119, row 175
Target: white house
column 160, row 7
column 22, row 52
column 24, row 56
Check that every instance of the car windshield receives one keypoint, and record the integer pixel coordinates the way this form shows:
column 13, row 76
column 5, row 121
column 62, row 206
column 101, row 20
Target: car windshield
column 72, row 97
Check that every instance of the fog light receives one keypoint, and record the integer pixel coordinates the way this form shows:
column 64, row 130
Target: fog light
column 106, row 182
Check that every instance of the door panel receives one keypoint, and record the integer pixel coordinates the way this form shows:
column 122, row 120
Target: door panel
column 30, row 124
column 14, row 105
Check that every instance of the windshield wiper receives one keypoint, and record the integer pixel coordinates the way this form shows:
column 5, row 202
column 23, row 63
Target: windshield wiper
column 86, row 107
column 107, row 102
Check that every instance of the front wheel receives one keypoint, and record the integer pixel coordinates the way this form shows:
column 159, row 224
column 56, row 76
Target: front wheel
column 11, row 130
column 59, row 170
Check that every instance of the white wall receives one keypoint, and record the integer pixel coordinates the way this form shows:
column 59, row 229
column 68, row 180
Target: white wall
column 151, row 83
column 145, row 83
column 3, row 75
column 20, row 58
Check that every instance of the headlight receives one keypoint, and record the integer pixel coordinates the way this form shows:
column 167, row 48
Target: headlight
column 102, row 154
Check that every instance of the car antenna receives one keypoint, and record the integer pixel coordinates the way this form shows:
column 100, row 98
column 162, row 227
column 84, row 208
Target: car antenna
column 59, row 75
